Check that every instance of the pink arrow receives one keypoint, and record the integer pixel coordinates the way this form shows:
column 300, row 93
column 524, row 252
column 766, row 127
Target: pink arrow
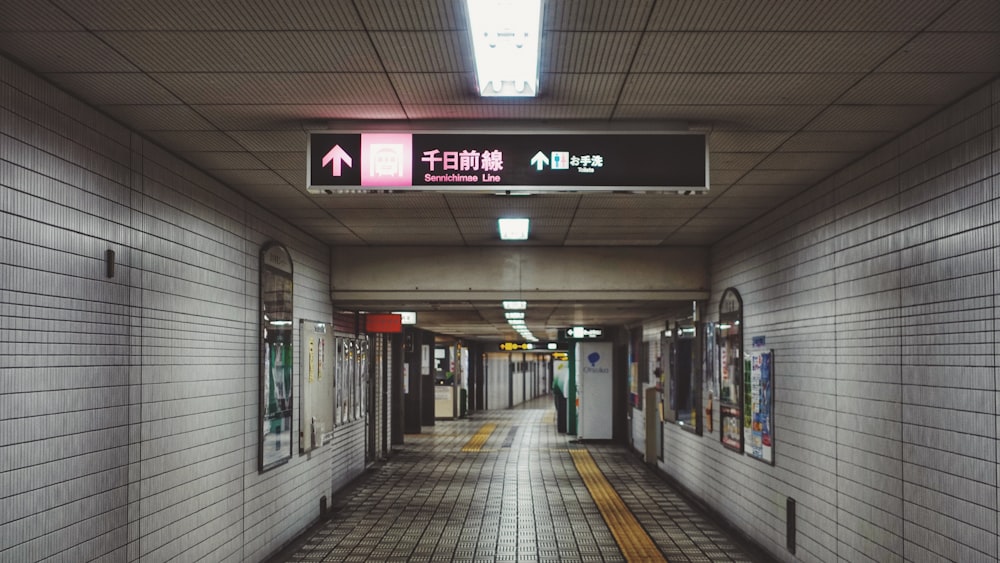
column 338, row 156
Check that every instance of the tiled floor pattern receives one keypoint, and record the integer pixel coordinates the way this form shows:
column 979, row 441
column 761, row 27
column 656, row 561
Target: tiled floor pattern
column 518, row 497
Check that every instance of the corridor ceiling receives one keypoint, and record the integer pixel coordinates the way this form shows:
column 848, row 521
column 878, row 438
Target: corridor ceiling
column 788, row 91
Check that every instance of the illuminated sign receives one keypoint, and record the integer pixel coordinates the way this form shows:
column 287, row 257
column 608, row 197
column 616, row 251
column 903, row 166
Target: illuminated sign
column 484, row 162
column 383, row 323
column 581, row 333
column 512, row 346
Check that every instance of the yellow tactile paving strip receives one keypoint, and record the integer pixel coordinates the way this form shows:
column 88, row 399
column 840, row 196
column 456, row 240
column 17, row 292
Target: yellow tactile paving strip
column 478, row 439
column 635, row 543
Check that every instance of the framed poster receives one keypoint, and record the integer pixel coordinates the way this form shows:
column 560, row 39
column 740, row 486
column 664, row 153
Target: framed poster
column 316, row 392
column 758, row 424
column 729, row 333
column 274, row 444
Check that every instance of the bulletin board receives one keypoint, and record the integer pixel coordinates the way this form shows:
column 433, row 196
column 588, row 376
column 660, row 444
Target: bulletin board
column 758, row 427
column 316, row 348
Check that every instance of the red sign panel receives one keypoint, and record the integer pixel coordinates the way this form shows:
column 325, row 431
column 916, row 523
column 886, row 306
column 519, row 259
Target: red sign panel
column 384, row 323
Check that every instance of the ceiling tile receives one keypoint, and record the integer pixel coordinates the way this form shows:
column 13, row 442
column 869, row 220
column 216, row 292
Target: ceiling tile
column 278, row 141
column 736, row 88
column 912, row 89
column 215, row 160
column 247, row 177
column 441, row 88
column 63, row 52
column 283, row 160
column 869, row 117
column 595, row 15
column 508, row 111
column 790, row 177
column 765, row 52
column 35, row 16
column 588, row 52
column 183, row 15
column 417, row 15
column 724, row 177
column 365, row 214
column 947, row 52
column 114, row 88
column 657, row 201
column 293, row 176
column 730, row 141
column 808, row 160
column 741, row 213
column 665, row 214
column 246, row 51
column 836, row 141
column 735, row 160
column 756, row 196
column 292, row 116
column 159, row 117
column 780, row 117
column 414, row 201
column 180, row 141
column 424, row 51
column 969, row 15
column 279, row 88
column 580, row 88
column 794, row 15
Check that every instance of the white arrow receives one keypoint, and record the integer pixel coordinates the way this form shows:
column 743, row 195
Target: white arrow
column 338, row 156
column 539, row 160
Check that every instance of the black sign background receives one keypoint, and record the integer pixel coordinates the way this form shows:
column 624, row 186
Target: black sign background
column 629, row 159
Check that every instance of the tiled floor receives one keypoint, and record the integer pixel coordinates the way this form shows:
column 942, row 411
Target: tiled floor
column 518, row 497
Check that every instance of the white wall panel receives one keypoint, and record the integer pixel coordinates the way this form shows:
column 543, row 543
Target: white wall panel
column 877, row 291
column 128, row 410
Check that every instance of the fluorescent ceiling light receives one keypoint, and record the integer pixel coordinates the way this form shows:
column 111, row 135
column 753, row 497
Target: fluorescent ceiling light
column 513, row 229
column 553, row 346
column 513, row 315
column 505, row 45
column 515, row 305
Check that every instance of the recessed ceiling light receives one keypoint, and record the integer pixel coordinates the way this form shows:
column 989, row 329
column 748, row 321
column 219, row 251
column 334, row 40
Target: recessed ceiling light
column 513, row 228
column 505, row 43
column 514, row 315
column 515, row 305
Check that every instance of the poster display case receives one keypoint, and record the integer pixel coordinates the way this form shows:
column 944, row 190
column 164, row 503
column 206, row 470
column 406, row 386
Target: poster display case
column 758, row 432
column 729, row 339
column 274, row 444
column 350, row 379
column 316, row 391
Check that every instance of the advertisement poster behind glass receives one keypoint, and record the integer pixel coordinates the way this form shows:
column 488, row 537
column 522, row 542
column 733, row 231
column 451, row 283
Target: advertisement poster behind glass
column 758, row 430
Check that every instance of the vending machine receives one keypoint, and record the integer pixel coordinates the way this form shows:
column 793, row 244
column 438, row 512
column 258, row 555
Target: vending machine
column 594, row 389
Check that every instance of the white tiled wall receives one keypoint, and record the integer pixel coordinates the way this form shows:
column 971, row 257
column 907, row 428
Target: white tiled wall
column 128, row 406
column 876, row 289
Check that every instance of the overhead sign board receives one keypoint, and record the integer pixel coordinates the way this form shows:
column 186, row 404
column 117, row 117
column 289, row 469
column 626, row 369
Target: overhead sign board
column 391, row 323
column 512, row 346
column 462, row 161
column 581, row 333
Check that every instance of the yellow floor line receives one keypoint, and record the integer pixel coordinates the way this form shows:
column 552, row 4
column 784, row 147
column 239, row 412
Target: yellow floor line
column 475, row 443
column 635, row 543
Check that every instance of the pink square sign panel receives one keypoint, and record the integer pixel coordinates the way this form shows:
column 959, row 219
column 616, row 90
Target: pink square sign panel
column 386, row 159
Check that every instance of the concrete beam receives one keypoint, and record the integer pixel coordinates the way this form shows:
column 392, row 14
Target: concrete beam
column 429, row 274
